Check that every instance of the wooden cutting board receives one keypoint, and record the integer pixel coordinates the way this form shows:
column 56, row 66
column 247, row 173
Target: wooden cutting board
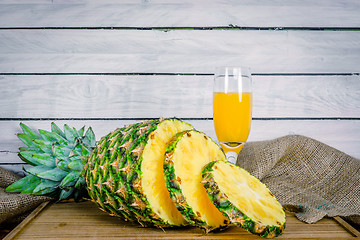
column 86, row 221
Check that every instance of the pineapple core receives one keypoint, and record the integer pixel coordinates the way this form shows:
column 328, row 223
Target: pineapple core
column 152, row 181
column 248, row 194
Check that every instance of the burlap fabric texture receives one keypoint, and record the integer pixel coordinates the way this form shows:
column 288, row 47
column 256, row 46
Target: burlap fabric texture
column 306, row 176
column 15, row 207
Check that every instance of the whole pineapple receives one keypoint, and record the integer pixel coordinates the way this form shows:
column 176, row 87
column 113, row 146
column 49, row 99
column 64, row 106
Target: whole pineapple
column 123, row 172
column 158, row 173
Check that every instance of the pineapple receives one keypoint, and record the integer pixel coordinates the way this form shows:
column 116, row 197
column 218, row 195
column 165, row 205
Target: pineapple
column 243, row 199
column 123, row 173
column 186, row 155
column 160, row 173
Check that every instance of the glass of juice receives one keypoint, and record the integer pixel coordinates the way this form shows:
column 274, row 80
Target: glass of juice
column 232, row 108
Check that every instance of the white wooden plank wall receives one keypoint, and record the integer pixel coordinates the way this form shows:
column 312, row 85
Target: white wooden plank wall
column 109, row 63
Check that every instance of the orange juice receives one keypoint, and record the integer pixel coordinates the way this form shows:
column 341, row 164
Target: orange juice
column 232, row 116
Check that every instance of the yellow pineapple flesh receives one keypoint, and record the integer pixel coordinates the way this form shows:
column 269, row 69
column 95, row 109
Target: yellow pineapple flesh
column 245, row 200
column 152, row 181
column 188, row 153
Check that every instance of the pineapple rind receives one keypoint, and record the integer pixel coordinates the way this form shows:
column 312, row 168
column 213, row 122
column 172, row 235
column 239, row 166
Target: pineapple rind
column 139, row 201
column 113, row 174
column 235, row 215
column 109, row 159
column 175, row 192
column 173, row 185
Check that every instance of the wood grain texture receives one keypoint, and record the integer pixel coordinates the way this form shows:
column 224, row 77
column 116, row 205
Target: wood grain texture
column 26, row 221
column 347, row 226
column 182, row 51
column 59, row 221
column 150, row 96
column 259, row 13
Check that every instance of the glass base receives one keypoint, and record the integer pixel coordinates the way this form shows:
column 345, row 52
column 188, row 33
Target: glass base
column 231, row 150
column 231, row 157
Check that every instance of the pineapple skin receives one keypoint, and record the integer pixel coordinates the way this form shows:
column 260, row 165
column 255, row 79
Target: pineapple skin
column 235, row 215
column 103, row 166
column 173, row 185
column 113, row 174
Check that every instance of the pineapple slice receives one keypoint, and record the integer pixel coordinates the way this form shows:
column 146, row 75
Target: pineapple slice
column 186, row 155
column 152, row 180
column 124, row 173
column 243, row 199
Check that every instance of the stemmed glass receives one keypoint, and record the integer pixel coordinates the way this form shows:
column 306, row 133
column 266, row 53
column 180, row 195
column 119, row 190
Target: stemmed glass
column 232, row 108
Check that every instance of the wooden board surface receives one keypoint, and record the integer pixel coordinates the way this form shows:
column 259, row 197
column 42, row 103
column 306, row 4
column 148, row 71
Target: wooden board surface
column 179, row 13
column 85, row 221
column 181, row 51
column 152, row 96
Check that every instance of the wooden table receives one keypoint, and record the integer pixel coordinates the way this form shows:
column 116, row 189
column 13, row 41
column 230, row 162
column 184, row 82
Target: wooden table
column 85, row 221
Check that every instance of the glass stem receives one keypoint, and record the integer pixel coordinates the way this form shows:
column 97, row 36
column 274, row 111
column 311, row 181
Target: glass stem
column 231, row 150
column 231, row 157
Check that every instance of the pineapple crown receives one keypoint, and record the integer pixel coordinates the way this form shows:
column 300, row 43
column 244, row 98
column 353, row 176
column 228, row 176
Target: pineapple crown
column 58, row 159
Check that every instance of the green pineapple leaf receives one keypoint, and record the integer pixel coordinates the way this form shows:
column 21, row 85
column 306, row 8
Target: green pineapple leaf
column 65, row 194
column 23, row 184
column 56, row 129
column 56, row 157
column 76, row 151
column 63, row 165
column 70, row 134
column 76, row 164
column 46, row 187
column 43, row 145
column 28, row 140
column 80, row 182
column 90, row 137
column 30, row 188
column 37, row 170
column 51, row 137
column 85, row 151
column 76, row 132
column 81, row 131
column 70, row 180
column 55, row 174
column 37, row 159
column 61, row 152
column 29, row 131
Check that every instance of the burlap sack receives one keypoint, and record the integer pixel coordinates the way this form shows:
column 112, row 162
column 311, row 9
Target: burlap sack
column 306, row 176
column 15, row 207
